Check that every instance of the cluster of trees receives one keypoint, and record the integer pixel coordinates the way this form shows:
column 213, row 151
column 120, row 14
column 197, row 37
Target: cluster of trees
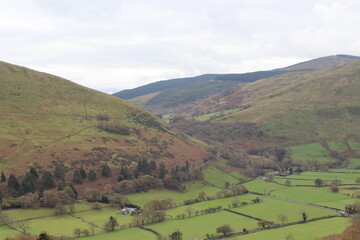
column 190, row 211
column 149, row 217
column 353, row 208
column 114, row 127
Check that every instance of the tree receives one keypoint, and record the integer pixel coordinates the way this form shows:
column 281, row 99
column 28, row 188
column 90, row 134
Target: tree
column 189, row 210
column 177, row 235
column 77, row 177
column 23, row 227
column 3, row 177
column 334, row 187
column 283, row 218
column 1, row 196
column 357, row 180
column 77, row 232
column 60, row 171
column 162, row 170
column 92, row 175
column 48, row 180
column 13, row 184
column 111, row 224
column 319, row 182
column 106, row 171
column 43, row 236
column 225, row 229
column 304, row 216
column 34, row 173
column 60, row 209
column 83, row 173
column 71, row 208
column 287, row 182
column 264, row 223
column 227, row 185
column 85, row 232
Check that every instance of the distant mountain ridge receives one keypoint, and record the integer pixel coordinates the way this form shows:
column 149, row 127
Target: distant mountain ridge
column 174, row 95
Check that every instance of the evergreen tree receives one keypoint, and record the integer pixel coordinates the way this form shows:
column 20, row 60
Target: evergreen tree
column 27, row 185
column 162, row 170
column 77, row 177
column 43, row 236
column 1, row 196
column 3, row 177
column 187, row 166
column 74, row 190
column 48, row 180
column 34, row 173
column 106, row 171
column 152, row 165
column 59, row 172
column 41, row 192
column 92, row 175
column 60, row 187
column 111, row 224
column 144, row 167
column 124, row 173
column 13, row 184
column 83, row 173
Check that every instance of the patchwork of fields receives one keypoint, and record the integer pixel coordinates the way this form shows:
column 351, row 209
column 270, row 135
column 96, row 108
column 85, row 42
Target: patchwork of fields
column 199, row 226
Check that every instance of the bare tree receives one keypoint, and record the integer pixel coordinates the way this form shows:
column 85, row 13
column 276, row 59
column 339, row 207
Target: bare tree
column 23, row 227
column 189, row 210
column 283, row 218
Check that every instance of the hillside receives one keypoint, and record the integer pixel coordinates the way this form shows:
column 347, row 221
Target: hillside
column 174, row 95
column 47, row 120
column 296, row 108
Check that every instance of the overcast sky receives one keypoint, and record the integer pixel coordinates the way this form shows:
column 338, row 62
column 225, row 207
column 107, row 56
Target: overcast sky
column 110, row 45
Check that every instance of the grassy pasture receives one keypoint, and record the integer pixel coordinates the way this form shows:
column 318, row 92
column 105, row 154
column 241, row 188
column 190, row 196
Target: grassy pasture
column 99, row 217
column 327, row 177
column 58, row 226
column 198, row 227
column 354, row 144
column 260, row 186
column 337, row 146
column 128, row 234
column 311, row 151
column 292, row 210
column 192, row 190
column 217, row 177
column 354, row 163
column 307, row 231
column 6, row 232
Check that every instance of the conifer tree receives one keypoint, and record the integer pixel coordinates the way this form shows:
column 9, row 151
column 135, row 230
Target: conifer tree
column 3, row 177
column 83, row 173
column 92, row 175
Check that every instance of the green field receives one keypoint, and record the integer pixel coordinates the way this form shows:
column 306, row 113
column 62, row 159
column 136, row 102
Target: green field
column 307, row 231
column 311, row 151
column 128, row 234
column 327, row 177
column 198, row 227
column 217, row 177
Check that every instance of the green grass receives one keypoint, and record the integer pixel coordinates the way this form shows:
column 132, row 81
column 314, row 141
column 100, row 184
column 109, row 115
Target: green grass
column 311, row 151
column 337, row 146
column 307, row 231
column 291, row 210
column 260, row 186
column 21, row 214
column 217, row 177
column 99, row 217
column 198, row 227
column 126, row 234
column 58, row 226
column 345, row 178
column 208, row 116
column 192, row 190
column 354, row 163
column 6, row 232
column 354, row 144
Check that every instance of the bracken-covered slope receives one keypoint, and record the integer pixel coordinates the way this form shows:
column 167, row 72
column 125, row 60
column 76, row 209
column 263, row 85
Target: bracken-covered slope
column 46, row 119
column 301, row 106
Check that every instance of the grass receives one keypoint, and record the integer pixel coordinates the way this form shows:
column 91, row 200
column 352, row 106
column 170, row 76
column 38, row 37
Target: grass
column 354, row 163
column 208, row 116
column 58, row 226
column 6, row 232
column 217, row 177
column 345, row 178
column 307, row 231
column 21, row 214
column 291, row 210
column 128, row 234
column 337, row 146
column 260, row 186
column 192, row 190
column 198, row 227
column 311, row 151
column 99, row 217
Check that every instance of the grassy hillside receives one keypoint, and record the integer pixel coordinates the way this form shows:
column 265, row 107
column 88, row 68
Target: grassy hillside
column 297, row 108
column 174, row 95
column 46, row 119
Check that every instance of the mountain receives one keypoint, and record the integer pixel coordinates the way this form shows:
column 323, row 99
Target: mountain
column 47, row 120
column 295, row 108
column 174, row 95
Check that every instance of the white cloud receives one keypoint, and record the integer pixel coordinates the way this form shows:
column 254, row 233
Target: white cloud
column 112, row 45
